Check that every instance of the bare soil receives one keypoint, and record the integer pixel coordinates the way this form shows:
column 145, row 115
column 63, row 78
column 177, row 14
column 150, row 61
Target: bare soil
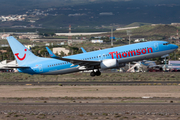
column 89, row 91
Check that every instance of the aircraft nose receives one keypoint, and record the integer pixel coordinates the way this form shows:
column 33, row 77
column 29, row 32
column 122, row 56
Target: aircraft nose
column 172, row 46
column 175, row 46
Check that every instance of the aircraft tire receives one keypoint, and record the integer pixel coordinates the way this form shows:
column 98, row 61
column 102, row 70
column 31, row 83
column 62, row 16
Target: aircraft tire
column 92, row 74
column 98, row 73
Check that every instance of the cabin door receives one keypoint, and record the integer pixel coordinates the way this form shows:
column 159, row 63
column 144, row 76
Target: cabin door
column 156, row 47
column 40, row 68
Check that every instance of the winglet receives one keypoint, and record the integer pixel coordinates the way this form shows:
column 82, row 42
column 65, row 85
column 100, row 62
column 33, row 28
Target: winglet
column 84, row 51
column 51, row 53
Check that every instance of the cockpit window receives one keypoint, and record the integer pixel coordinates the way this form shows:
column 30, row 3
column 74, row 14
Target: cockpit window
column 166, row 43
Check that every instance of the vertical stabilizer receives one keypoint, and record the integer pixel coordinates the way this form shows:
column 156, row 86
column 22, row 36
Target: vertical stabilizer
column 21, row 53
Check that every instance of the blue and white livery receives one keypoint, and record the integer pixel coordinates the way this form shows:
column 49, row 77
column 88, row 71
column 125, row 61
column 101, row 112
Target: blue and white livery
column 102, row 59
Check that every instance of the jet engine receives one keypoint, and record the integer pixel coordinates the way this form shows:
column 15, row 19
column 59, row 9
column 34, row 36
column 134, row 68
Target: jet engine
column 111, row 63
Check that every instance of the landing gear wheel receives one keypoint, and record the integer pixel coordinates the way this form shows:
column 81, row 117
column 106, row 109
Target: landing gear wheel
column 98, row 73
column 92, row 74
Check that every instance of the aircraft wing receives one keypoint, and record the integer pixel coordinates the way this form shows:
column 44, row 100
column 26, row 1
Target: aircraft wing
column 16, row 66
column 81, row 62
column 87, row 63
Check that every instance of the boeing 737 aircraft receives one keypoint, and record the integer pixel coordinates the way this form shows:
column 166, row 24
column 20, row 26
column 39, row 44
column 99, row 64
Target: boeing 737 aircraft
column 102, row 59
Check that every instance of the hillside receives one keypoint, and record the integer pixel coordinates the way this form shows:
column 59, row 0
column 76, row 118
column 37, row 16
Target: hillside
column 90, row 13
column 108, row 13
column 158, row 32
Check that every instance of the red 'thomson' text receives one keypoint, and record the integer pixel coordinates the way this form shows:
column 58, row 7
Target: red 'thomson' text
column 131, row 53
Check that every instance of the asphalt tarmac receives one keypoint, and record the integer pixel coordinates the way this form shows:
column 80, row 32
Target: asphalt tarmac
column 91, row 83
column 92, row 104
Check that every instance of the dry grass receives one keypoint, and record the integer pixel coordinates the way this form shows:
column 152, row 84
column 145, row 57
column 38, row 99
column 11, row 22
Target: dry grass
column 85, row 77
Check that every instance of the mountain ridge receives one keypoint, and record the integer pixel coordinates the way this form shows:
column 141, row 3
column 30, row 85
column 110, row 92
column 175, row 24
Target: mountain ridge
column 93, row 12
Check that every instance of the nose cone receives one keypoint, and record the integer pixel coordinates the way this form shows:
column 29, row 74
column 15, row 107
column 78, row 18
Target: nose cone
column 175, row 46
column 172, row 46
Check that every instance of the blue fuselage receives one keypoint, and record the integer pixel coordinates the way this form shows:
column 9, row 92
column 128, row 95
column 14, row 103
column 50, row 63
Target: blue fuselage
column 123, row 54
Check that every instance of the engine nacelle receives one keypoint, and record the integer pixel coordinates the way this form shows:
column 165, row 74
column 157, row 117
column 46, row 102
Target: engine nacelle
column 111, row 63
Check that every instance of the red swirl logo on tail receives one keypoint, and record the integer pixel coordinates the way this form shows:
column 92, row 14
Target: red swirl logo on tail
column 17, row 55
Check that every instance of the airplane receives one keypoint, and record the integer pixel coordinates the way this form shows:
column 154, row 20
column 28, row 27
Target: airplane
column 172, row 66
column 102, row 59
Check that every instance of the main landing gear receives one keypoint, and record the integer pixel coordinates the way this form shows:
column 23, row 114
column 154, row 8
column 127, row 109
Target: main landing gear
column 97, row 73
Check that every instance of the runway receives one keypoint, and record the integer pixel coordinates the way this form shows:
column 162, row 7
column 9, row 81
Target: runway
column 94, row 83
column 91, row 104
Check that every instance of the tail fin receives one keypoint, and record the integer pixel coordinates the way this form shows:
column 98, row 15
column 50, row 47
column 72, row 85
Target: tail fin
column 21, row 53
